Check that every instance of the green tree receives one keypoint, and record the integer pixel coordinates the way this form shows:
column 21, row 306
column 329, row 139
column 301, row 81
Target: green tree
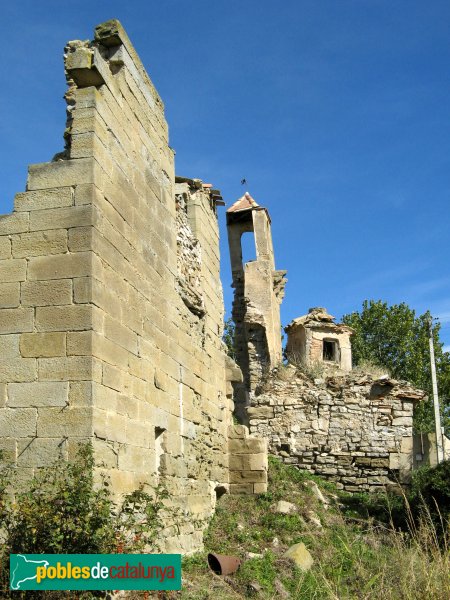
column 395, row 338
column 228, row 337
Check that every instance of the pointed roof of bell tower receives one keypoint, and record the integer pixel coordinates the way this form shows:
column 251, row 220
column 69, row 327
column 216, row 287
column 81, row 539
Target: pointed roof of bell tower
column 246, row 202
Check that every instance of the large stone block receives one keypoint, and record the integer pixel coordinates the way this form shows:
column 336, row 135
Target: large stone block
column 62, row 174
column 113, row 377
column 64, row 318
column 79, row 343
column 58, row 218
column 106, row 453
column 73, row 368
column 261, row 412
column 9, row 346
column 46, row 293
column 16, row 320
column 237, row 432
column 248, row 462
column 110, row 352
column 44, row 199
column 18, row 422
column 25, row 245
column 43, row 344
column 138, row 433
column 406, row 421
column 13, row 270
column 80, row 239
column 80, row 393
column 5, row 247
column 237, row 489
column 82, row 290
column 8, row 450
column 86, row 194
column 40, row 452
column 248, row 476
column 120, row 334
column 9, row 295
column 70, row 368
column 68, row 422
column 60, row 266
column 116, row 428
column 134, row 458
column 38, row 393
column 18, row 369
column 248, row 446
column 2, row 395
column 14, row 223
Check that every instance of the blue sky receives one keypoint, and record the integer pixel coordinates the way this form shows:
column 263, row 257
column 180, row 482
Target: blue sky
column 335, row 111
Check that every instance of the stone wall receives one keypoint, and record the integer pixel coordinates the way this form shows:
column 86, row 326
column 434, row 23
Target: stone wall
column 351, row 428
column 111, row 310
column 248, row 462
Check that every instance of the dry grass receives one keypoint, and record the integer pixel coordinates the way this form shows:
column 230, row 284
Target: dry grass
column 312, row 370
column 366, row 367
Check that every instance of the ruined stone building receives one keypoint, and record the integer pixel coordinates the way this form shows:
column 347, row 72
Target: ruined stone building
column 315, row 338
column 111, row 309
column 351, row 428
column 111, row 320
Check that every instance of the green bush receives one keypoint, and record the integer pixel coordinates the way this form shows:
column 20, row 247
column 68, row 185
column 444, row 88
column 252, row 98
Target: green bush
column 431, row 487
column 61, row 512
column 64, row 511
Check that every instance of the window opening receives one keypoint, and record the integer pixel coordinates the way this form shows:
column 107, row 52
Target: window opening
column 330, row 351
column 159, row 448
column 248, row 247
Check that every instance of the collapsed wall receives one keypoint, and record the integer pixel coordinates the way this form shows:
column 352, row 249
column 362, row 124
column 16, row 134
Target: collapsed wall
column 351, row 428
column 111, row 309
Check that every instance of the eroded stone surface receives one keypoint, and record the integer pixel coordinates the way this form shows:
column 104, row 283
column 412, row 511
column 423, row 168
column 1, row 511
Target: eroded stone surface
column 345, row 429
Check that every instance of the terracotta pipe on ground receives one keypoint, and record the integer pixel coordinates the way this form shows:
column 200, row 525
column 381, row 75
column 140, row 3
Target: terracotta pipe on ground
column 222, row 564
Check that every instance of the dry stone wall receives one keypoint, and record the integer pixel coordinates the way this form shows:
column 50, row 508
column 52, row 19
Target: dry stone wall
column 351, row 428
column 111, row 309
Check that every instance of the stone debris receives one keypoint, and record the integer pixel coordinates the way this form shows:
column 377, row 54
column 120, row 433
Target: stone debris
column 312, row 485
column 284, row 508
column 250, row 555
column 301, row 556
column 314, row 518
column 281, row 590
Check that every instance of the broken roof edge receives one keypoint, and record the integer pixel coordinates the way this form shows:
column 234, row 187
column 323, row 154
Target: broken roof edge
column 112, row 33
column 197, row 184
column 318, row 318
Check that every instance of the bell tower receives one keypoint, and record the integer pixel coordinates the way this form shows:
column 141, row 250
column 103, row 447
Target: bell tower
column 258, row 292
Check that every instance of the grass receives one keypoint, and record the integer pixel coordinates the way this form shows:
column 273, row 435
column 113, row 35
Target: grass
column 358, row 554
column 366, row 547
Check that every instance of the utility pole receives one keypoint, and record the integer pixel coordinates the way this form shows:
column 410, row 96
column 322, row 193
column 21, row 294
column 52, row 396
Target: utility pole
column 437, row 414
